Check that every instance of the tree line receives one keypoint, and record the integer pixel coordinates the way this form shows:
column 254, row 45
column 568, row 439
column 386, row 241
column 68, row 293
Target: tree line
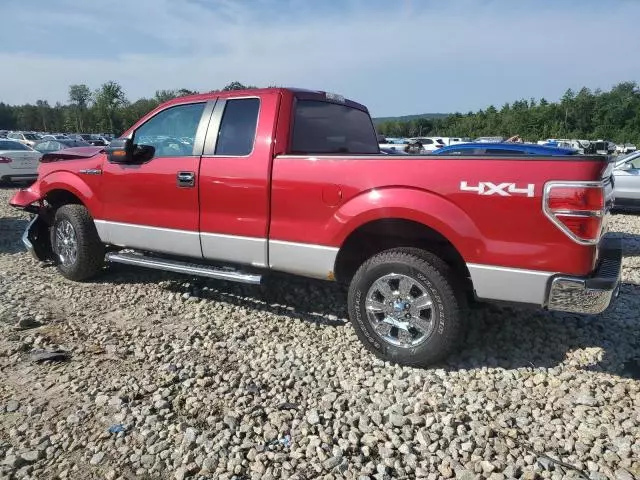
column 609, row 115
column 105, row 110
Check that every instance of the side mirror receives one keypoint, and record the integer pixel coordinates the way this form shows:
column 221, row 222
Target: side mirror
column 120, row 150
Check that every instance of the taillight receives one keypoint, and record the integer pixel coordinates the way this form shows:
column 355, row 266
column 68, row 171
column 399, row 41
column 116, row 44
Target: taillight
column 578, row 209
column 5, row 160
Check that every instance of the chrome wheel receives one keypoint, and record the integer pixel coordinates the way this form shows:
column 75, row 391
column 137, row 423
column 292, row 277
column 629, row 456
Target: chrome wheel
column 400, row 310
column 66, row 243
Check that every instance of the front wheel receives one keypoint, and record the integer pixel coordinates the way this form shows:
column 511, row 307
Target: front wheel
column 76, row 244
column 405, row 308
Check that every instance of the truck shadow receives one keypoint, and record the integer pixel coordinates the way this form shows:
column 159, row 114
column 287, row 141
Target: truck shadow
column 516, row 337
column 11, row 229
column 496, row 336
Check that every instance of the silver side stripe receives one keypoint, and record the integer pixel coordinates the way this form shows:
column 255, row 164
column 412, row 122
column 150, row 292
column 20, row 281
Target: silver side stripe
column 316, row 261
column 235, row 249
column 509, row 284
column 176, row 242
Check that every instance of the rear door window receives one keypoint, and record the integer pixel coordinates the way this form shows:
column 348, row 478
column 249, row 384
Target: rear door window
column 238, row 127
column 323, row 128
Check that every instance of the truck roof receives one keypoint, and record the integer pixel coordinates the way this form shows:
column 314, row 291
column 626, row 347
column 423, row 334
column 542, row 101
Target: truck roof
column 300, row 93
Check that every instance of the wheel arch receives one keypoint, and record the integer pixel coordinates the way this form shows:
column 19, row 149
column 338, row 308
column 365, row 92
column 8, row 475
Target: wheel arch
column 382, row 234
column 59, row 197
column 61, row 188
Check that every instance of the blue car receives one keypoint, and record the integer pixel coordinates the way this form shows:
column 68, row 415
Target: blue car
column 502, row 149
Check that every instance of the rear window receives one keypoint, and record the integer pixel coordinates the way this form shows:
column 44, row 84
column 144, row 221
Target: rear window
column 8, row 145
column 322, row 127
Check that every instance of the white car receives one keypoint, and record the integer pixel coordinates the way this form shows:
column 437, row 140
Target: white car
column 489, row 139
column 26, row 138
column 625, row 148
column 626, row 185
column 18, row 162
column 430, row 143
column 455, row 140
column 389, row 145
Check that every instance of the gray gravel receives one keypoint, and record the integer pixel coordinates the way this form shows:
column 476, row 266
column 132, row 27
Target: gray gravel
column 174, row 377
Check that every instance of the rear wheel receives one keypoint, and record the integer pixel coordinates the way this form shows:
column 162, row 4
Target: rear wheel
column 76, row 244
column 405, row 308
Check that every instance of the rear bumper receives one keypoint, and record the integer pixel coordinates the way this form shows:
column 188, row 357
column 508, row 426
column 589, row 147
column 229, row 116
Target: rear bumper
column 591, row 294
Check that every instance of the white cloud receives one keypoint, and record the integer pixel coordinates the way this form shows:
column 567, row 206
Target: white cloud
column 409, row 60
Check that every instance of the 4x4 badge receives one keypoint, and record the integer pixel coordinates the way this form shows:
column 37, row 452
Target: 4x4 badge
column 501, row 189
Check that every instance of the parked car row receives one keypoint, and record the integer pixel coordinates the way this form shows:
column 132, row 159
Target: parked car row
column 418, row 145
column 626, row 167
column 31, row 138
column 20, row 153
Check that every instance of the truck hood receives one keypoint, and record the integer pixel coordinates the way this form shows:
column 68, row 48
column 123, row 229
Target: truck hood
column 73, row 153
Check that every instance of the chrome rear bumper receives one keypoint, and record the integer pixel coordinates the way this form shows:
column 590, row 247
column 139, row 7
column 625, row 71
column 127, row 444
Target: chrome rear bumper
column 594, row 293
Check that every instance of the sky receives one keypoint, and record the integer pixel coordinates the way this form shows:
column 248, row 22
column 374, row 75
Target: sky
column 398, row 57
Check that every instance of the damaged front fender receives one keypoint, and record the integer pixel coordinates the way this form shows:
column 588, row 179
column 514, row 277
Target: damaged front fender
column 29, row 200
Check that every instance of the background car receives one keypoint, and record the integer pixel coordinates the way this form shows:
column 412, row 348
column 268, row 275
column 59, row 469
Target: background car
column 626, row 185
column 46, row 146
column 429, row 143
column 625, row 148
column 90, row 139
column 26, row 138
column 57, row 136
column 487, row 148
column 455, row 140
column 392, row 151
column 17, row 161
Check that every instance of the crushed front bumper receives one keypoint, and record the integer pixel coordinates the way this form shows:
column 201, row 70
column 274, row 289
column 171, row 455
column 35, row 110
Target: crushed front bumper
column 36, row 239
column 594, row 293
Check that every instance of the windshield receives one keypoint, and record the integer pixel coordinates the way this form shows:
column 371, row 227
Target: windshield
column 9, row 145
column 626, row 158
column 31, row 136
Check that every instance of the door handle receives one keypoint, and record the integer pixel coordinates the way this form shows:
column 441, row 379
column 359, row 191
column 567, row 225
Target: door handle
column 186, row 179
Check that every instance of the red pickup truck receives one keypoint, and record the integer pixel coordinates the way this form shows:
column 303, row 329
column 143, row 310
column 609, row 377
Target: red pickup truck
column 232, row 185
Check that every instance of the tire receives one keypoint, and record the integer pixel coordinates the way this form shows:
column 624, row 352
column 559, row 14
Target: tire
column 74, row 222
column 440, row 324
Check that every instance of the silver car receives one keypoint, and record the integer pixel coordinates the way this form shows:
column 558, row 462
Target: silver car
column 627, row 182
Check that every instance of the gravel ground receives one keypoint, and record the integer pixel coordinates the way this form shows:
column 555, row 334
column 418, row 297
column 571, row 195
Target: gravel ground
column 174, row 377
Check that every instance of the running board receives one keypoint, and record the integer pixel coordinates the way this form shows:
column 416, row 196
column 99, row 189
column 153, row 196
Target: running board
column 140, row 260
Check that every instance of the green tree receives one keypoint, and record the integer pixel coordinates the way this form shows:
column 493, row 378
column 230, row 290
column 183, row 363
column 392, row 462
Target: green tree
column 236, row 86
column 79, row 97
column 43, row 109
column 109, row 100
